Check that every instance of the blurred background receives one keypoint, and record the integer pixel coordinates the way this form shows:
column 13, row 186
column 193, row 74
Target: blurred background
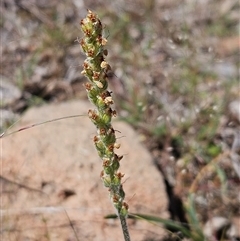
column 175, row 79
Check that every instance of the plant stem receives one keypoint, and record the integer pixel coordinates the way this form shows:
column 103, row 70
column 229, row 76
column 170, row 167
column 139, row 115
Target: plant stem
column 124, row 228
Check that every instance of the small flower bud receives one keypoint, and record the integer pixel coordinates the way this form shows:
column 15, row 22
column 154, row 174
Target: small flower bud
column 108, row 100
column 105, row 52
column 106, row 181
column 124, row 209
column 104, row 65
column 106, row 119
column 92, row 114
column 98, row 84
column 117, row 145
column 108, row 137
column 88, row 86
column 115, row 165
column 104, row 41
column 121, row 192
column 114, row 113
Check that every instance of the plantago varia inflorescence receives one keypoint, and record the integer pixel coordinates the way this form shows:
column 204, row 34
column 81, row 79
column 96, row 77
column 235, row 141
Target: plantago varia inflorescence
column 95, row 69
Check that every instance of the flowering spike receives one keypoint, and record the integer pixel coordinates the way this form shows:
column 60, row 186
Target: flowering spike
column 95, row 68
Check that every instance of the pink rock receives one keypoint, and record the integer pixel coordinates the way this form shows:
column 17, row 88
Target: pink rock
column 50, row 175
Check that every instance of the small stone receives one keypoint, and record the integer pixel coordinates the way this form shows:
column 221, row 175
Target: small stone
column 218, row 227
column 234, row 108
column 7, row 118
column 8, row 92
column 61, row 156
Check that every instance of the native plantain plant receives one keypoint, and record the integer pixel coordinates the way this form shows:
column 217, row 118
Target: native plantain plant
column 95, row 69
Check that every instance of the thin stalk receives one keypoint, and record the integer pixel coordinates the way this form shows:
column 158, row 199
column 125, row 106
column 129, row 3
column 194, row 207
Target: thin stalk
column 126, row 234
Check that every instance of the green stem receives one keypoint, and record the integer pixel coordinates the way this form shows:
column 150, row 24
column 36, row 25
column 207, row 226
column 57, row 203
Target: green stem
column 124, row 228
